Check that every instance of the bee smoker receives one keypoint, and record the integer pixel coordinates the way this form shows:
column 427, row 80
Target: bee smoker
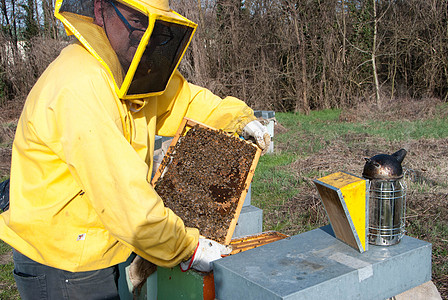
column 387, row 198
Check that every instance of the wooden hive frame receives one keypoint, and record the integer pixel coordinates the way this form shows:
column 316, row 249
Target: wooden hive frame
column 253, row 241
column 184, row 127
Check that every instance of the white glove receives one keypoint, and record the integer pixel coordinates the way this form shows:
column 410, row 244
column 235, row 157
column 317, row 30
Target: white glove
column 206, row 252
column 259, row 133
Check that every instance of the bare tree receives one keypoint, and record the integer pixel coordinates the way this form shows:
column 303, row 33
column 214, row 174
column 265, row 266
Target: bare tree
column 374, row 70
column 284, row 55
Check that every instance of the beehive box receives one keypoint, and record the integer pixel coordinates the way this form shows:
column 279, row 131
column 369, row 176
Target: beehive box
column 204, row 178
column 197, row 285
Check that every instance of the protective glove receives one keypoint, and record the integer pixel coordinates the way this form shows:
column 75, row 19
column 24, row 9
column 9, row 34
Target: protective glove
column 139, row 271
column 255, row 130
column 206, row 252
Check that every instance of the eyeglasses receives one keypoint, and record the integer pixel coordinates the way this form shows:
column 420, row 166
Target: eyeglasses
column 160, row 35
column 132, row 29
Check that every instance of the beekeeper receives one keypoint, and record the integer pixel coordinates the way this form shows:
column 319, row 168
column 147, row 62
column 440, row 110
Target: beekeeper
column 80, row 199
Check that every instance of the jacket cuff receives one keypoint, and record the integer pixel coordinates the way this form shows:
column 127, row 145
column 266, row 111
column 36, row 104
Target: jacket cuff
column 245, row 120
column 189, row 262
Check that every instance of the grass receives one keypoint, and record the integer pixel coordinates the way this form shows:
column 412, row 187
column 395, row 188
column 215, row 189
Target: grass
column 7, row 130
column 8, row 289
column 326, row 125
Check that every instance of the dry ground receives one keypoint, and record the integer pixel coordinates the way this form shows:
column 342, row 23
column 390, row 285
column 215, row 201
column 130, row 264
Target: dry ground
column 9, row 115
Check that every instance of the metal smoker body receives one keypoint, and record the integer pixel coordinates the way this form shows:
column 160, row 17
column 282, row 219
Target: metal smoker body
column 387, row 198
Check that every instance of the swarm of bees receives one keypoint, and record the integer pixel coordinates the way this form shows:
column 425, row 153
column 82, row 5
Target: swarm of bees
column 203, row 178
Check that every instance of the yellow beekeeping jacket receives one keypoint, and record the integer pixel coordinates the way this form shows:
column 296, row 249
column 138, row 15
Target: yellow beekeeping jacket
column 80, row 196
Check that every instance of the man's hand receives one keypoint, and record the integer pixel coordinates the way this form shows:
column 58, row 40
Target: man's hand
column 259, row 133
column 206, row 252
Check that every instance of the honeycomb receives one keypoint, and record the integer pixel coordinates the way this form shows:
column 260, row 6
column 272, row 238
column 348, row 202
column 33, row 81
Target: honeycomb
column 203, row 177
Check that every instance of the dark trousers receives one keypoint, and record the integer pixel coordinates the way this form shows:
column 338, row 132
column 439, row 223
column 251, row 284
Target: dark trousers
column 36, row 281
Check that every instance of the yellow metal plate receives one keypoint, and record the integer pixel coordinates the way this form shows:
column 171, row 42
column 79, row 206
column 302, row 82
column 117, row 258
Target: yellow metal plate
column 344, row 197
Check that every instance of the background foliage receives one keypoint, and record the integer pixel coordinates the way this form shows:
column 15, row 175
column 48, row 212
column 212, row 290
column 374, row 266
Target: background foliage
column 280, row 55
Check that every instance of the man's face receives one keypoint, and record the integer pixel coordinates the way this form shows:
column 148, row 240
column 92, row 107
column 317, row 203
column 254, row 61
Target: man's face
column 124, row 27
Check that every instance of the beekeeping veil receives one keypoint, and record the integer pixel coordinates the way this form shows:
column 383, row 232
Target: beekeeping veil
column 161, row 43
